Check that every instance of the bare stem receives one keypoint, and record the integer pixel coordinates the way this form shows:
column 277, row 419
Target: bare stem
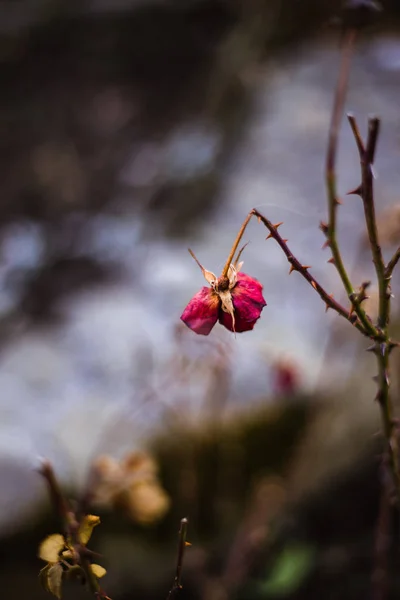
column 182, row 545
column 235, row 245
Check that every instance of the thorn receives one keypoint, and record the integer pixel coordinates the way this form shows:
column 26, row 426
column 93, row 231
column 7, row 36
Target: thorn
column 324, row 227
column 327, row 307
column 325, row 245
column 305, row 267
column 382, row 348
column 269, row 236
column 356, row 192
column 259, row 219
column 386, row 376
column 331, row 261
column 276, row 225
column 286, row 240
column 187, row 544
column 376, row 379
column 372, row 348
column 337, row 201
column 292, row 268
column 314, row 285
column 393, row 345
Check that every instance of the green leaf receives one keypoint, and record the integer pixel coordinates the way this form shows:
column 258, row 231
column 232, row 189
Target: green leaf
column 289, row 571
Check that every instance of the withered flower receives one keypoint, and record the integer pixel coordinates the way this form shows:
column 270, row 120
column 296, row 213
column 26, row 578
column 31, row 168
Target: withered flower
column 234, row 299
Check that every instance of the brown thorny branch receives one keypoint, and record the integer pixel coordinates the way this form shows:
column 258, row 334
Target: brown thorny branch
column 378, row 332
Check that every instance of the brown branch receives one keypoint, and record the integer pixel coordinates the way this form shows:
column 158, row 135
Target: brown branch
column 295, row 265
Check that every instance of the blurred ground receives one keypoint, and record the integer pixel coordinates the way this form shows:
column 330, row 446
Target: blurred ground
column 130, row 131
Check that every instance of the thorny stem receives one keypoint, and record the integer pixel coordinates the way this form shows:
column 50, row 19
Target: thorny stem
column 330, row 176
column 235, row 245
column 176, row 586
column 381, row 348
column 71, row 529
column 295, row 265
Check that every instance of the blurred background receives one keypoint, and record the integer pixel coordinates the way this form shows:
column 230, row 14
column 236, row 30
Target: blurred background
column 130, row 130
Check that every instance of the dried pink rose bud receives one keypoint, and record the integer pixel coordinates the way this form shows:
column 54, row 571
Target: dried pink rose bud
column 236, row 301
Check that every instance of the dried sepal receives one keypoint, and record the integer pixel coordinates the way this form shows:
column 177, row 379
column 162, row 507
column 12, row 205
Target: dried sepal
column 236, row 263
column 227, row 305
column 209, row 276
column 50, row 548
column 232, row 276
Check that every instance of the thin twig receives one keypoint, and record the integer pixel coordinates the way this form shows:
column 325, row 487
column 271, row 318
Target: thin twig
column 182, row 545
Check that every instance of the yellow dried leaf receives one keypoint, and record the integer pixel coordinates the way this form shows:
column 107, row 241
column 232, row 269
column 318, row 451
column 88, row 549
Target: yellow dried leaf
column 86, row 528
column 51, row 547
column 54, row 580
column 98, row 570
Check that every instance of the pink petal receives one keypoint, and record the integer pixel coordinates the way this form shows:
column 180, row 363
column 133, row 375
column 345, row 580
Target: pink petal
column 201, row 313
column 248, row 302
